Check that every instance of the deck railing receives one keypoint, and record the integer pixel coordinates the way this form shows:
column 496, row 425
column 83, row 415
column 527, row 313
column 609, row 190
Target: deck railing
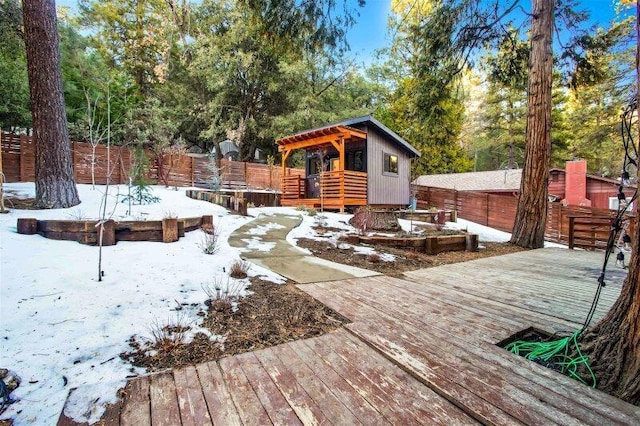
column 343, row 184
column 338, row 187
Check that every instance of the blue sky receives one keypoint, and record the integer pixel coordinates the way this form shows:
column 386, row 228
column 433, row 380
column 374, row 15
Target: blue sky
column 370, row 31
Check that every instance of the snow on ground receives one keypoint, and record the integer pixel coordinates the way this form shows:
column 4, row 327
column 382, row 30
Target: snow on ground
column 60, row 328
column 486, row 234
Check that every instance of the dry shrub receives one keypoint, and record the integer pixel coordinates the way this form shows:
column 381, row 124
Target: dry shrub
column 239, row 269
column 222, row 296
column 374, row 258
column 166, row 336
column 209, row 240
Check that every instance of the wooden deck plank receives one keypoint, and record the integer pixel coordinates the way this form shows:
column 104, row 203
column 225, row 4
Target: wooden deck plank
column 246, row 401
column 515, row 279
column 539, row 397
column 393, row 392
column 375, row 316
column 272, row 400
column 508, row 314
column 297, row 397
column 364, row 409
column 432, row 311
column 322, row 389
column 482, row 397
column 136, row 409
column 164, row 402
column 193, row 407
column 219, row 401
column 450, row 342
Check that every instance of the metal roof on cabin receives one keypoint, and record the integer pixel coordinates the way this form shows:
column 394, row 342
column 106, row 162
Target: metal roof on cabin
column 495, row 180
column 369, row 119
column 366, row 119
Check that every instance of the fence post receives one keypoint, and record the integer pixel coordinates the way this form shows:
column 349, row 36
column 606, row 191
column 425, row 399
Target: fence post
column 119, row 165
column 73, row 161
column 571, row 231
column 486, row 199
column 22, row 139
column 560, row 224
column 193, row 173
column 455, row 199
column 245, row 173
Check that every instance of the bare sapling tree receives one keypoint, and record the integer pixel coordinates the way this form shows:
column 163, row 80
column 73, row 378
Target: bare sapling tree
column 2, row 177
column 96, row 132
column 104, row 217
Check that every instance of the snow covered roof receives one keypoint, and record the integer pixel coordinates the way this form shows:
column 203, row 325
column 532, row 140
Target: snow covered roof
column 494, row 180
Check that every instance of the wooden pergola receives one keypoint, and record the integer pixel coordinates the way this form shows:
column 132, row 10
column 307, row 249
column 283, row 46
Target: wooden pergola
column 339, row 187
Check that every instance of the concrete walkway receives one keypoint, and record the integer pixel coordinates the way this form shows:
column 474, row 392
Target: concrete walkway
column 263, row 241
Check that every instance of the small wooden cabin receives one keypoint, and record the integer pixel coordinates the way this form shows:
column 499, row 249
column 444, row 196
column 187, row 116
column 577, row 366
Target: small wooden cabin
column 356, row 162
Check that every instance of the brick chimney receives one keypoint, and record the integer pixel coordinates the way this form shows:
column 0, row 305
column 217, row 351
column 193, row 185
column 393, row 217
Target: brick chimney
column 576, row 184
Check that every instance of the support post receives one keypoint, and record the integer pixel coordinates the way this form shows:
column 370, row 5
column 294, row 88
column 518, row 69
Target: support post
column 109, row 233
column 169, row 230
column 27, row 226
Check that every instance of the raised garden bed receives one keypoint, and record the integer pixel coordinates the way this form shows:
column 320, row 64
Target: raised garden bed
column 429, row 216
column 87, row 231
column 430, row 244
column 238, row 200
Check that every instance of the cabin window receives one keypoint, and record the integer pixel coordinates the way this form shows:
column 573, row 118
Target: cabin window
column 334, row 164
column 390, row 163
column 358, row 163
column 354, row 161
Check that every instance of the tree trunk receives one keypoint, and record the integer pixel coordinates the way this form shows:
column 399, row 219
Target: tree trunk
column 613, row 344
column 531, row 216
column 55, row 184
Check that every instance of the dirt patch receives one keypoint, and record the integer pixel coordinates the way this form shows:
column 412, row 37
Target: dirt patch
column 404, row 260
column 272, row 314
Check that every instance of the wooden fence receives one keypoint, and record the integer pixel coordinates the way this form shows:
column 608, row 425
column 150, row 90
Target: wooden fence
column 499, row 212
column 18, row 165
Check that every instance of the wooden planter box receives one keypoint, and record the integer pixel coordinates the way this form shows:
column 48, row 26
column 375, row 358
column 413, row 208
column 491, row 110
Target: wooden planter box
column 440, row 243
column 439, row 216
column 433, row 244
column 236, row 202
column 87, row 231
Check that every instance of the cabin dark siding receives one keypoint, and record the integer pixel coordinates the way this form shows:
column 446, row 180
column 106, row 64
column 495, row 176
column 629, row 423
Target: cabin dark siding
column 384, row 188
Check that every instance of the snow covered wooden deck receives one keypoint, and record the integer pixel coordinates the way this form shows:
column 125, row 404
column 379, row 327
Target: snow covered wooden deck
column 419, row 351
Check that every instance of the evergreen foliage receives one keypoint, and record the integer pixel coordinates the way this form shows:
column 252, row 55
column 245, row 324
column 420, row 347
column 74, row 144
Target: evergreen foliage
column 141, row 192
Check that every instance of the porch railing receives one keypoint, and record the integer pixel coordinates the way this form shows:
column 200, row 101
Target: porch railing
column 339, row 185
column 343, row 184
column 293, row 187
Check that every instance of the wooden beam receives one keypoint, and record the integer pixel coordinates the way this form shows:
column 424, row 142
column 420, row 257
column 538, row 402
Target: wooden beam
column 307, row 143
column 285, row 155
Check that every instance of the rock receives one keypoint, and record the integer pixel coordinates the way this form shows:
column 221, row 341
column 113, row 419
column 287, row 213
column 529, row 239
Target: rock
column 366, row 219
column 3, row 373
column 12, row 381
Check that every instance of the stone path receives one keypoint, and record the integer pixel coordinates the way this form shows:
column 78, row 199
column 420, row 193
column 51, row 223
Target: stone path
column 263, row 241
